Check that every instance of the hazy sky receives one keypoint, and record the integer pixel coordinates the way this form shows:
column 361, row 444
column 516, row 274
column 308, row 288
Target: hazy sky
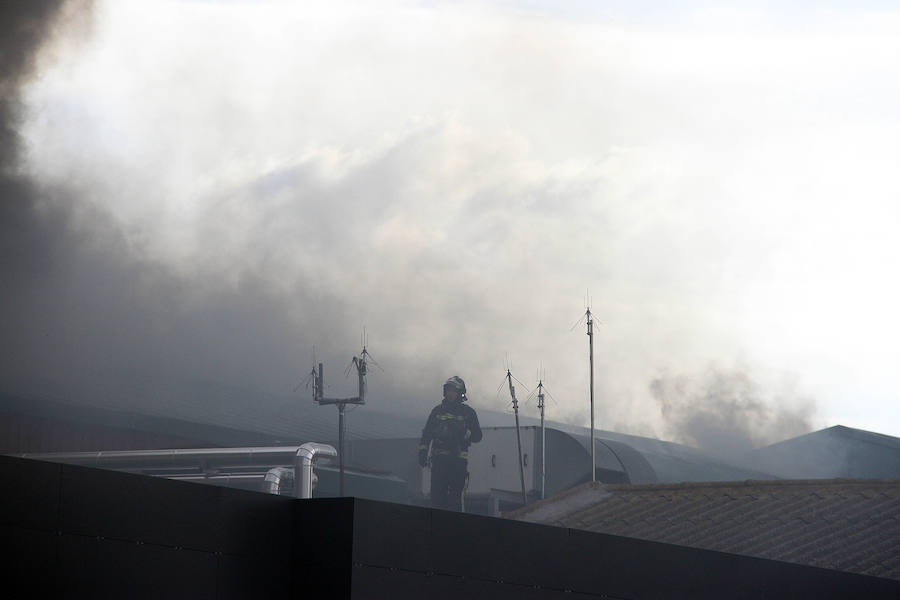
column 454, row 177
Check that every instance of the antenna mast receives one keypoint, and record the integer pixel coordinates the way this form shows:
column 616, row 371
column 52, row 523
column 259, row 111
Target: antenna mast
column 341, row 403
column 590, row 334
column 515, row 403
column 543, row 439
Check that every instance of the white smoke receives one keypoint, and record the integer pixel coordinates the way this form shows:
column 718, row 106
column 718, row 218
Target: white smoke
column 268, row 177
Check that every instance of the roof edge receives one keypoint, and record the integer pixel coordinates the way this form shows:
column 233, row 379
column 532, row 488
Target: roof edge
column 576, row 497
column 751, row 483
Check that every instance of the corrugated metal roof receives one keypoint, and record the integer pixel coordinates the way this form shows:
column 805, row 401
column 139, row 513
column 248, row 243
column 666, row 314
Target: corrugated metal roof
column 845, row 524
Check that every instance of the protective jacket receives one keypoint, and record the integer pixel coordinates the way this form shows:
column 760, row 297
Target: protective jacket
column 450, row 429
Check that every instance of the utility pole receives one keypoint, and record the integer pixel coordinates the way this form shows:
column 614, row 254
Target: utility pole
column 515, row 403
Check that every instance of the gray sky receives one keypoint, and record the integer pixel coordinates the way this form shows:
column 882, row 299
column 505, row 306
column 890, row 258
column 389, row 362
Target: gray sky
column 244, row 181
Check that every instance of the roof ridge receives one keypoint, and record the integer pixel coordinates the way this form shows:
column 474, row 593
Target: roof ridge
column 573, row 491
column 748, row 483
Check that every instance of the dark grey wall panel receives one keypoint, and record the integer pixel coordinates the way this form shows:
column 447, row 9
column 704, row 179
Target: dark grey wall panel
column 322, row 551
column 472, row 552
column 377, row 583
column 132, row 507
column 30, row 561
column 104, row 568
column 81, row 532
column 111, row 534
column 392, row 535
column 240, row 577
column 464, row 544
column 533, row 555
column 33, row 500
column 255, row 524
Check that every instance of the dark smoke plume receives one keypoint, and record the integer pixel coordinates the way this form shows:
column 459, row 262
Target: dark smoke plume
column 726, row 411
column 36, row 239
column 26, row 239
column 86, row 317
column 432, row 234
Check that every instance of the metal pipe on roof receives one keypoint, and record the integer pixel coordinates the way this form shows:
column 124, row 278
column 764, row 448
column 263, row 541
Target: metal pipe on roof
column 276, row 478
column 303, row 463
column 302, row 458
column 179, row 456
column 226, row 480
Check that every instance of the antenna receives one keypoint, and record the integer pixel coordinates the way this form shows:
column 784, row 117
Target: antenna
column 310, row 377
column 541, row 375
column 543, row 439
column 515, row 403
column 361, row 364
column 589, row 318
column 590, row 333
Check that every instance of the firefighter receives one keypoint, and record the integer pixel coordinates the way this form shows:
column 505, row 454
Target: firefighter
column 451, row 427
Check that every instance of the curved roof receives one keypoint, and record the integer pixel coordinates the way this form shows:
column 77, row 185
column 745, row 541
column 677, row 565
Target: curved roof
column 633, row 462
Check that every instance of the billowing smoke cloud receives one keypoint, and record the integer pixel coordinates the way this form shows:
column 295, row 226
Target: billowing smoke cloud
column 726, row 411
column 29, row 239
column 87, row 317
column 25, row 26
column 213, row 189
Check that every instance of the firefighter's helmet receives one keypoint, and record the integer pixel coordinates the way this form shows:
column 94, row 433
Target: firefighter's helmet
column 457, row 384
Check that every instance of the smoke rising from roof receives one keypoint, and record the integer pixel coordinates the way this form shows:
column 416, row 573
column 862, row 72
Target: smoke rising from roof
column 26, row 239
column 202, row 210
column 725, row 411
column 88, row 317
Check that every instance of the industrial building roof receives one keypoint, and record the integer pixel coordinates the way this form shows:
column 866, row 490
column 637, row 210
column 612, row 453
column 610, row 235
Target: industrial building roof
column 845, row 524
column 225, row 417
column 291, row 420
column 828, row 453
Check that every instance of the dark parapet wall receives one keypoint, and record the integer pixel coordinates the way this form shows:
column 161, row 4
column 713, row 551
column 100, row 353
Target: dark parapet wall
column 81, row 532
column 439, row 553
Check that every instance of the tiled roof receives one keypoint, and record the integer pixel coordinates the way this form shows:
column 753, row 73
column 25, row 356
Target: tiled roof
column 845, row 524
